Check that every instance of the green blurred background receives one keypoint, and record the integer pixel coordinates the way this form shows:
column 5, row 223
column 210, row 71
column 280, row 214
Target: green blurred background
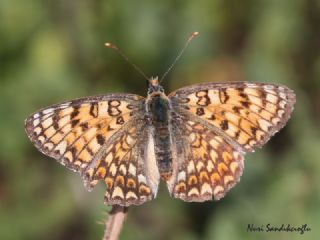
column 52, row 51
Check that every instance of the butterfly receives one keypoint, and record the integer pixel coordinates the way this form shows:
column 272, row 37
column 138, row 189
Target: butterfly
column 194, row 139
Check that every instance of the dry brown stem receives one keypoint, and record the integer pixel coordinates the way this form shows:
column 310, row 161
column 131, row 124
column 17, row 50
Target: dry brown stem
column 114, row 223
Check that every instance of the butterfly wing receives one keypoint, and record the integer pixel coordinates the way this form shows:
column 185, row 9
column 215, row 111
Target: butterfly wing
column 205, row 165
column 219, row 123
column 245, row 114
column 93, row 133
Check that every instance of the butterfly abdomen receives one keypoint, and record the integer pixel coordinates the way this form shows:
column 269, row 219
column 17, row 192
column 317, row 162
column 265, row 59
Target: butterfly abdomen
column 159, row 108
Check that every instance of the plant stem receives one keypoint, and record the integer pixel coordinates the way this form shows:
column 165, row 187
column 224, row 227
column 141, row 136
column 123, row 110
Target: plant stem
column 114, row 222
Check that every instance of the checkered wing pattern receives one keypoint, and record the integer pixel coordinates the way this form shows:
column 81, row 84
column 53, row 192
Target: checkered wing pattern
column 206, row 166
column 219, row 123
column 97, row 136
column 245, row 114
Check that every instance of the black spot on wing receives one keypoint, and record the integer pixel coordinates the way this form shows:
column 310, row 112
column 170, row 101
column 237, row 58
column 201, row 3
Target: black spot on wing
column 236, row 109
column 75, row 112
column 245, row 104
column 100, row 139
column 120, row 120
column 84, row 126
column 74, row 122
column 224, row 125
column 200, row 111
column 93, row 110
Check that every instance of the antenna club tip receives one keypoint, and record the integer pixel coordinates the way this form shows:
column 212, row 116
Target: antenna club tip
column 110, row 45
column 195, row 34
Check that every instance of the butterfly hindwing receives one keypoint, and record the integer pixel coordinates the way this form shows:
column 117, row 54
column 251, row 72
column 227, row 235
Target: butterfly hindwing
column 80, row 132
column 206, row 166
column 128, row 167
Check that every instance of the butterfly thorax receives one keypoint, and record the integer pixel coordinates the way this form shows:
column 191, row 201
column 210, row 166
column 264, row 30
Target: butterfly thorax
column 158, row 111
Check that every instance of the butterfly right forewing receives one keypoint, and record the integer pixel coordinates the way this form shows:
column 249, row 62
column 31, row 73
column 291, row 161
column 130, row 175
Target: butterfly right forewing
column 74, row 131
column 246, row 114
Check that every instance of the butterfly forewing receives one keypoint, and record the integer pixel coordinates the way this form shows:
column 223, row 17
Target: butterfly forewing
column 245, row 114
column 80, row 133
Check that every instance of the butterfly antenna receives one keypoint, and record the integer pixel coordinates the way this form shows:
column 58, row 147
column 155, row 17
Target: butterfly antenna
column 194, row 34
column 111, row 45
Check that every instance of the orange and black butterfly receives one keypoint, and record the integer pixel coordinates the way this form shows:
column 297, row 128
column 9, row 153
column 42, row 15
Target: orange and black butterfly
column 195, row 138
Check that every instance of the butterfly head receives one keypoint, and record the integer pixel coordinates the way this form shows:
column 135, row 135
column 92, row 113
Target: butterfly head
column 154, row 86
